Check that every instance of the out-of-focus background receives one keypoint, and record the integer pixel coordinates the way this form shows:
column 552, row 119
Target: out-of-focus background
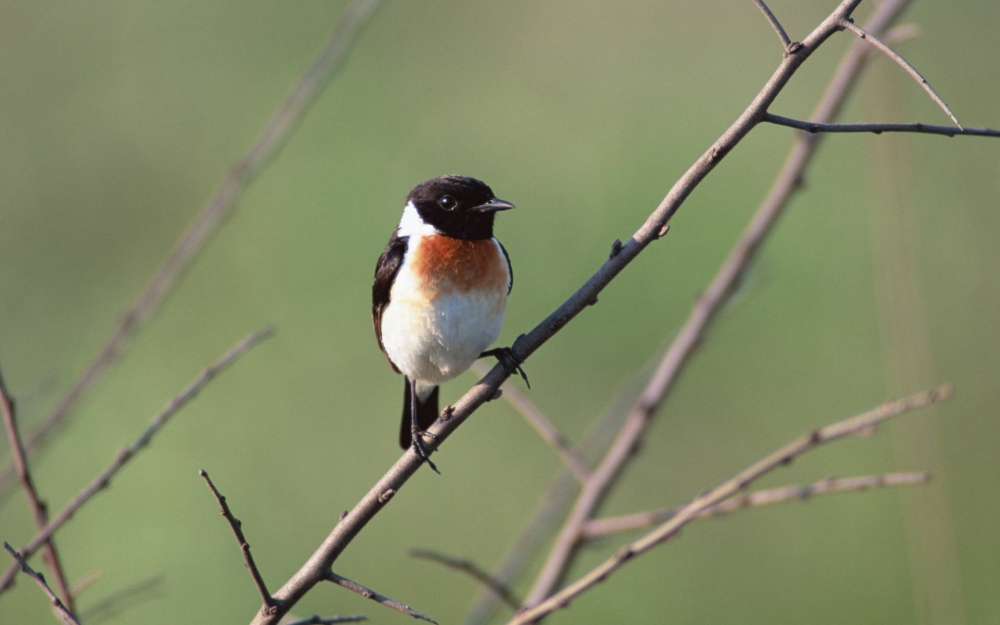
column 119, row 119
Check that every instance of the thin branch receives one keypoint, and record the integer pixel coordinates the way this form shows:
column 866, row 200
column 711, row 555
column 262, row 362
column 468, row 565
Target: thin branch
column 271, row 138
column 892, row 54
column 687, row 340
column 600, row 528
column 120, row 601
column 329, row 620
column 57, row 605
column 127, row 453
column 38, row 508
column 786, row 43
column 878, row 129
column 368, row 593
column 315, row 568
column 468, row 566
column 573, row 460
column 859, row 425
column 237, row 528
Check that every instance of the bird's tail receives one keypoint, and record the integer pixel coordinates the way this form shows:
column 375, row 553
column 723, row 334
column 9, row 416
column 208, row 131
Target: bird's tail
column 427, row 412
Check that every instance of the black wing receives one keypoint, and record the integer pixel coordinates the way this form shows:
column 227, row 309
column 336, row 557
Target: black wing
column 510, row 268
column 385, row 274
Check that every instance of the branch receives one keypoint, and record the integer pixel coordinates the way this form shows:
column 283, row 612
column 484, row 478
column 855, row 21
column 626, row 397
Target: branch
column 57, row 605
column 786, row 43
column 237, row 528
column 859, row 425
column 126, row 453
column 713, row 299
column 912, row 71
column 38, row 507
column 468, row 566
column 271, row 138
column 368, row 593
column 329, row 620
column 599, row 528
column 878, row 129
column 573, row 460
column 316, row 567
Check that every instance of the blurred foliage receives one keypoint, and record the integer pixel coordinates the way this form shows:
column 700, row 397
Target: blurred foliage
column 119, row 119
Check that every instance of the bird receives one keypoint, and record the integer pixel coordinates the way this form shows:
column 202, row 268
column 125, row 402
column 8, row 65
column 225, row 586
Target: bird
column 440, row 293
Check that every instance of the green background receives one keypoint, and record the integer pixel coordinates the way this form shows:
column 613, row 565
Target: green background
column 118, row 120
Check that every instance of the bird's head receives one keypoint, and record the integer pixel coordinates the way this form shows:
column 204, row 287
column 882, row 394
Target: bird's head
column 457, row 206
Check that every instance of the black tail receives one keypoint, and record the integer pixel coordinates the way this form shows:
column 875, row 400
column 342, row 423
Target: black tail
column 427, row 413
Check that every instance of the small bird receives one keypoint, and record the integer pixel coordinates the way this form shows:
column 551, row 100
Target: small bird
column 440, row 293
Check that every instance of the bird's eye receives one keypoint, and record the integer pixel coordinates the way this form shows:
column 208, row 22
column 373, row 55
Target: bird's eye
column 448, row 203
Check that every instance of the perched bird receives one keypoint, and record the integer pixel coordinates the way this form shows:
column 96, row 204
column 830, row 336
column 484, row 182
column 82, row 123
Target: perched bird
column 439, row 294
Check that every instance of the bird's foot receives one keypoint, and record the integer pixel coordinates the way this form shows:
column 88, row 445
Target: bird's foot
column 417, row 436
column 509, row 360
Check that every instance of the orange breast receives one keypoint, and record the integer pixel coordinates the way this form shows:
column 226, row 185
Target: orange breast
column 445, row 264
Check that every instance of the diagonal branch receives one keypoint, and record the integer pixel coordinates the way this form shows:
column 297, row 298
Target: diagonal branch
column 38, row 507
column 329, row 620
column 237, row 528
column 704, row 312
column 468, row 566
column 57, row 605
column 912, row 71
column 814, row 127
column 271, row 138
column 600, row 528
column 368, row 593
column 573, row 460
column 127, row 453
column 786, row 43
column 858, row 425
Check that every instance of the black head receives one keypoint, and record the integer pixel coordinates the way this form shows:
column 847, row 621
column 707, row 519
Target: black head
column 458, row 206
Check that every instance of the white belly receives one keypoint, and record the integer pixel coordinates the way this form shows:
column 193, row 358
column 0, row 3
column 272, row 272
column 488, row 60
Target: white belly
column 435, row 341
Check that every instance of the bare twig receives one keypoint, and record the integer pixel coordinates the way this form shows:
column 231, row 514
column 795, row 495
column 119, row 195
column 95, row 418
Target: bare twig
column 892, row 54
column 917, row 127
column 599, row 528
column 776, row 25
column 861, row 424
column 237, row 528
column 315, row 568
column 468, row 566
column 368, row 593
column 57, row 605
column 328, row 620
column 38, row 508
column 573, row 460
column 704, row 312
column 126, row 453
column 271, row 138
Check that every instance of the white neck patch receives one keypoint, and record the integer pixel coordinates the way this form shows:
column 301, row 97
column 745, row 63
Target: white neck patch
column 413, row 225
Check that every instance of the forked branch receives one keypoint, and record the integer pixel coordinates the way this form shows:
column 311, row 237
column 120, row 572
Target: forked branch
column 862, row 424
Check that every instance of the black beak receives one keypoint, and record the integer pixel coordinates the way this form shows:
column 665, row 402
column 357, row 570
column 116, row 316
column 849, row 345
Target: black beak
column 494, row 205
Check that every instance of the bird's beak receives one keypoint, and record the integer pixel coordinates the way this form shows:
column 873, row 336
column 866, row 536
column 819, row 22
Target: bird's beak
column 494, row 205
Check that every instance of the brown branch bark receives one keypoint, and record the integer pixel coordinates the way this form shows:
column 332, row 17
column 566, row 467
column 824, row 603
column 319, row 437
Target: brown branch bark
column 379, row 598
column 127, row 453
column 814, row 127
column 329, row 620
column 271, row 138
column 600, row 528
column 38, row 508
column 57, row 605
column 861, row 424
column 786, row 43
column 237, row 527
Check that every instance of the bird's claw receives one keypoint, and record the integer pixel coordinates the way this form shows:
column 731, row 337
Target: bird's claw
column 509, row 360
column 417, row 436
